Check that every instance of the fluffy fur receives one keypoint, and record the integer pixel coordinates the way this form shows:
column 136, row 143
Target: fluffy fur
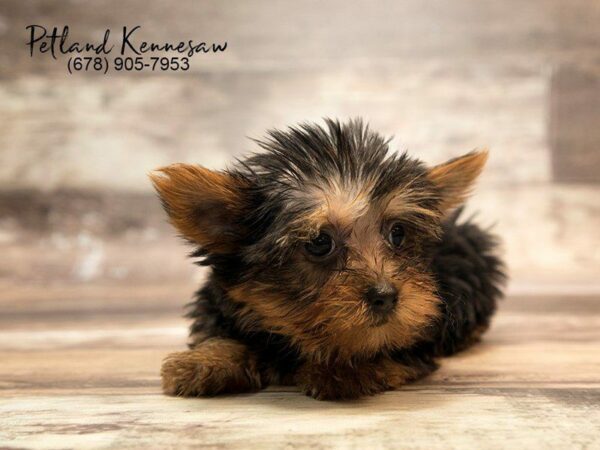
column 274, row 312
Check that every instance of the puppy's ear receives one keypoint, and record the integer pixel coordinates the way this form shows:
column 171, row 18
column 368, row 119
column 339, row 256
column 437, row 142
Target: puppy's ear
column 204, row 205
column 455, row 178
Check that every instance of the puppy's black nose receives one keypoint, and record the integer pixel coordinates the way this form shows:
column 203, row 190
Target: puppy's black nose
column 382, row 299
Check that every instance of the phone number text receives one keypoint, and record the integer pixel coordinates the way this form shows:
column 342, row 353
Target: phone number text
column 127, row 64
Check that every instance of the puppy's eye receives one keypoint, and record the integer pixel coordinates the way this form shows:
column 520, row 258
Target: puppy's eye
column 396, row 235
column 321, row 246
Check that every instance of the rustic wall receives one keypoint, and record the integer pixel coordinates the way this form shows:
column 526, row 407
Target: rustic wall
column 444, row 77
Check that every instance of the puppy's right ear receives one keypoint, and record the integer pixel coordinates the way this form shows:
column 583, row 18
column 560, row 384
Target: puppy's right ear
column 204, row 205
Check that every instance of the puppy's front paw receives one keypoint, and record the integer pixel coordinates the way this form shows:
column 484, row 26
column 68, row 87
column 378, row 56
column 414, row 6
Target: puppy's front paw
column 326, row 383
column 185, row 374
column 212, row 368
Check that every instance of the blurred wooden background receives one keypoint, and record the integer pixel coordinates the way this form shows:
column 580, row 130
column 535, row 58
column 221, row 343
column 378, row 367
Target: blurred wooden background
column 93, row 280
column 521, row 78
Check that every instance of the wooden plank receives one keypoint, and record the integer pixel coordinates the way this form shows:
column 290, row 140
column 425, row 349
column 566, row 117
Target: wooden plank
column 84, row 366
column 93, row 247
column 263, row 35
column 532, row 340
column 88, row 382
column 416, row 418
column 573, row 124
column 79, row 129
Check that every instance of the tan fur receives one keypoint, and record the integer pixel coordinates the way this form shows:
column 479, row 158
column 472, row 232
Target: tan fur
column 350, row 381
column 456, row 177
column 197, row 201
column 338, row 324
column 402, row 202
column 215, row 365
column 343, row 347
column 335, row 205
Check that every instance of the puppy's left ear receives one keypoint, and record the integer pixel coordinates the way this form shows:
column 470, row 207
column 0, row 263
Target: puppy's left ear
column 206, row 206
column 455, row 178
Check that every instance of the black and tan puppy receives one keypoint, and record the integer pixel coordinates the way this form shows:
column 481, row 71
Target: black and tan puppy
column 335, row 265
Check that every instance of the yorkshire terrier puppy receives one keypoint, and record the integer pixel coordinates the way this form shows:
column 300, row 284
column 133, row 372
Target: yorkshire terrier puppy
column 335, row 265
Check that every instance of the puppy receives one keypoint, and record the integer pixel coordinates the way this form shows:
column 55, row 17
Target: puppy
column 335, row 265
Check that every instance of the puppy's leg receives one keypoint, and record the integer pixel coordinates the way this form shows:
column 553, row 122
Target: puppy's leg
column 349, row 381
column 213, row 366
column 340, row 382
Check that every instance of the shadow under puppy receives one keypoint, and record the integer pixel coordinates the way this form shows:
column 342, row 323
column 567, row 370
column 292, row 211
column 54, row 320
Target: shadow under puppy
column 335, row 265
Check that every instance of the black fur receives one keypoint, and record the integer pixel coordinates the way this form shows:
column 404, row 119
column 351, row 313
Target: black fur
column 461, row 256
column 469, row 274
column 213, row 313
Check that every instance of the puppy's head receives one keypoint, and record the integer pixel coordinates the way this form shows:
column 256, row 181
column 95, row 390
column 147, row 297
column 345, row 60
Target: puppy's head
column 325, row 237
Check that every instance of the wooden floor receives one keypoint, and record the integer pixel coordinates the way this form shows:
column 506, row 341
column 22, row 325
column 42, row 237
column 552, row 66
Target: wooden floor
column 88, row 378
